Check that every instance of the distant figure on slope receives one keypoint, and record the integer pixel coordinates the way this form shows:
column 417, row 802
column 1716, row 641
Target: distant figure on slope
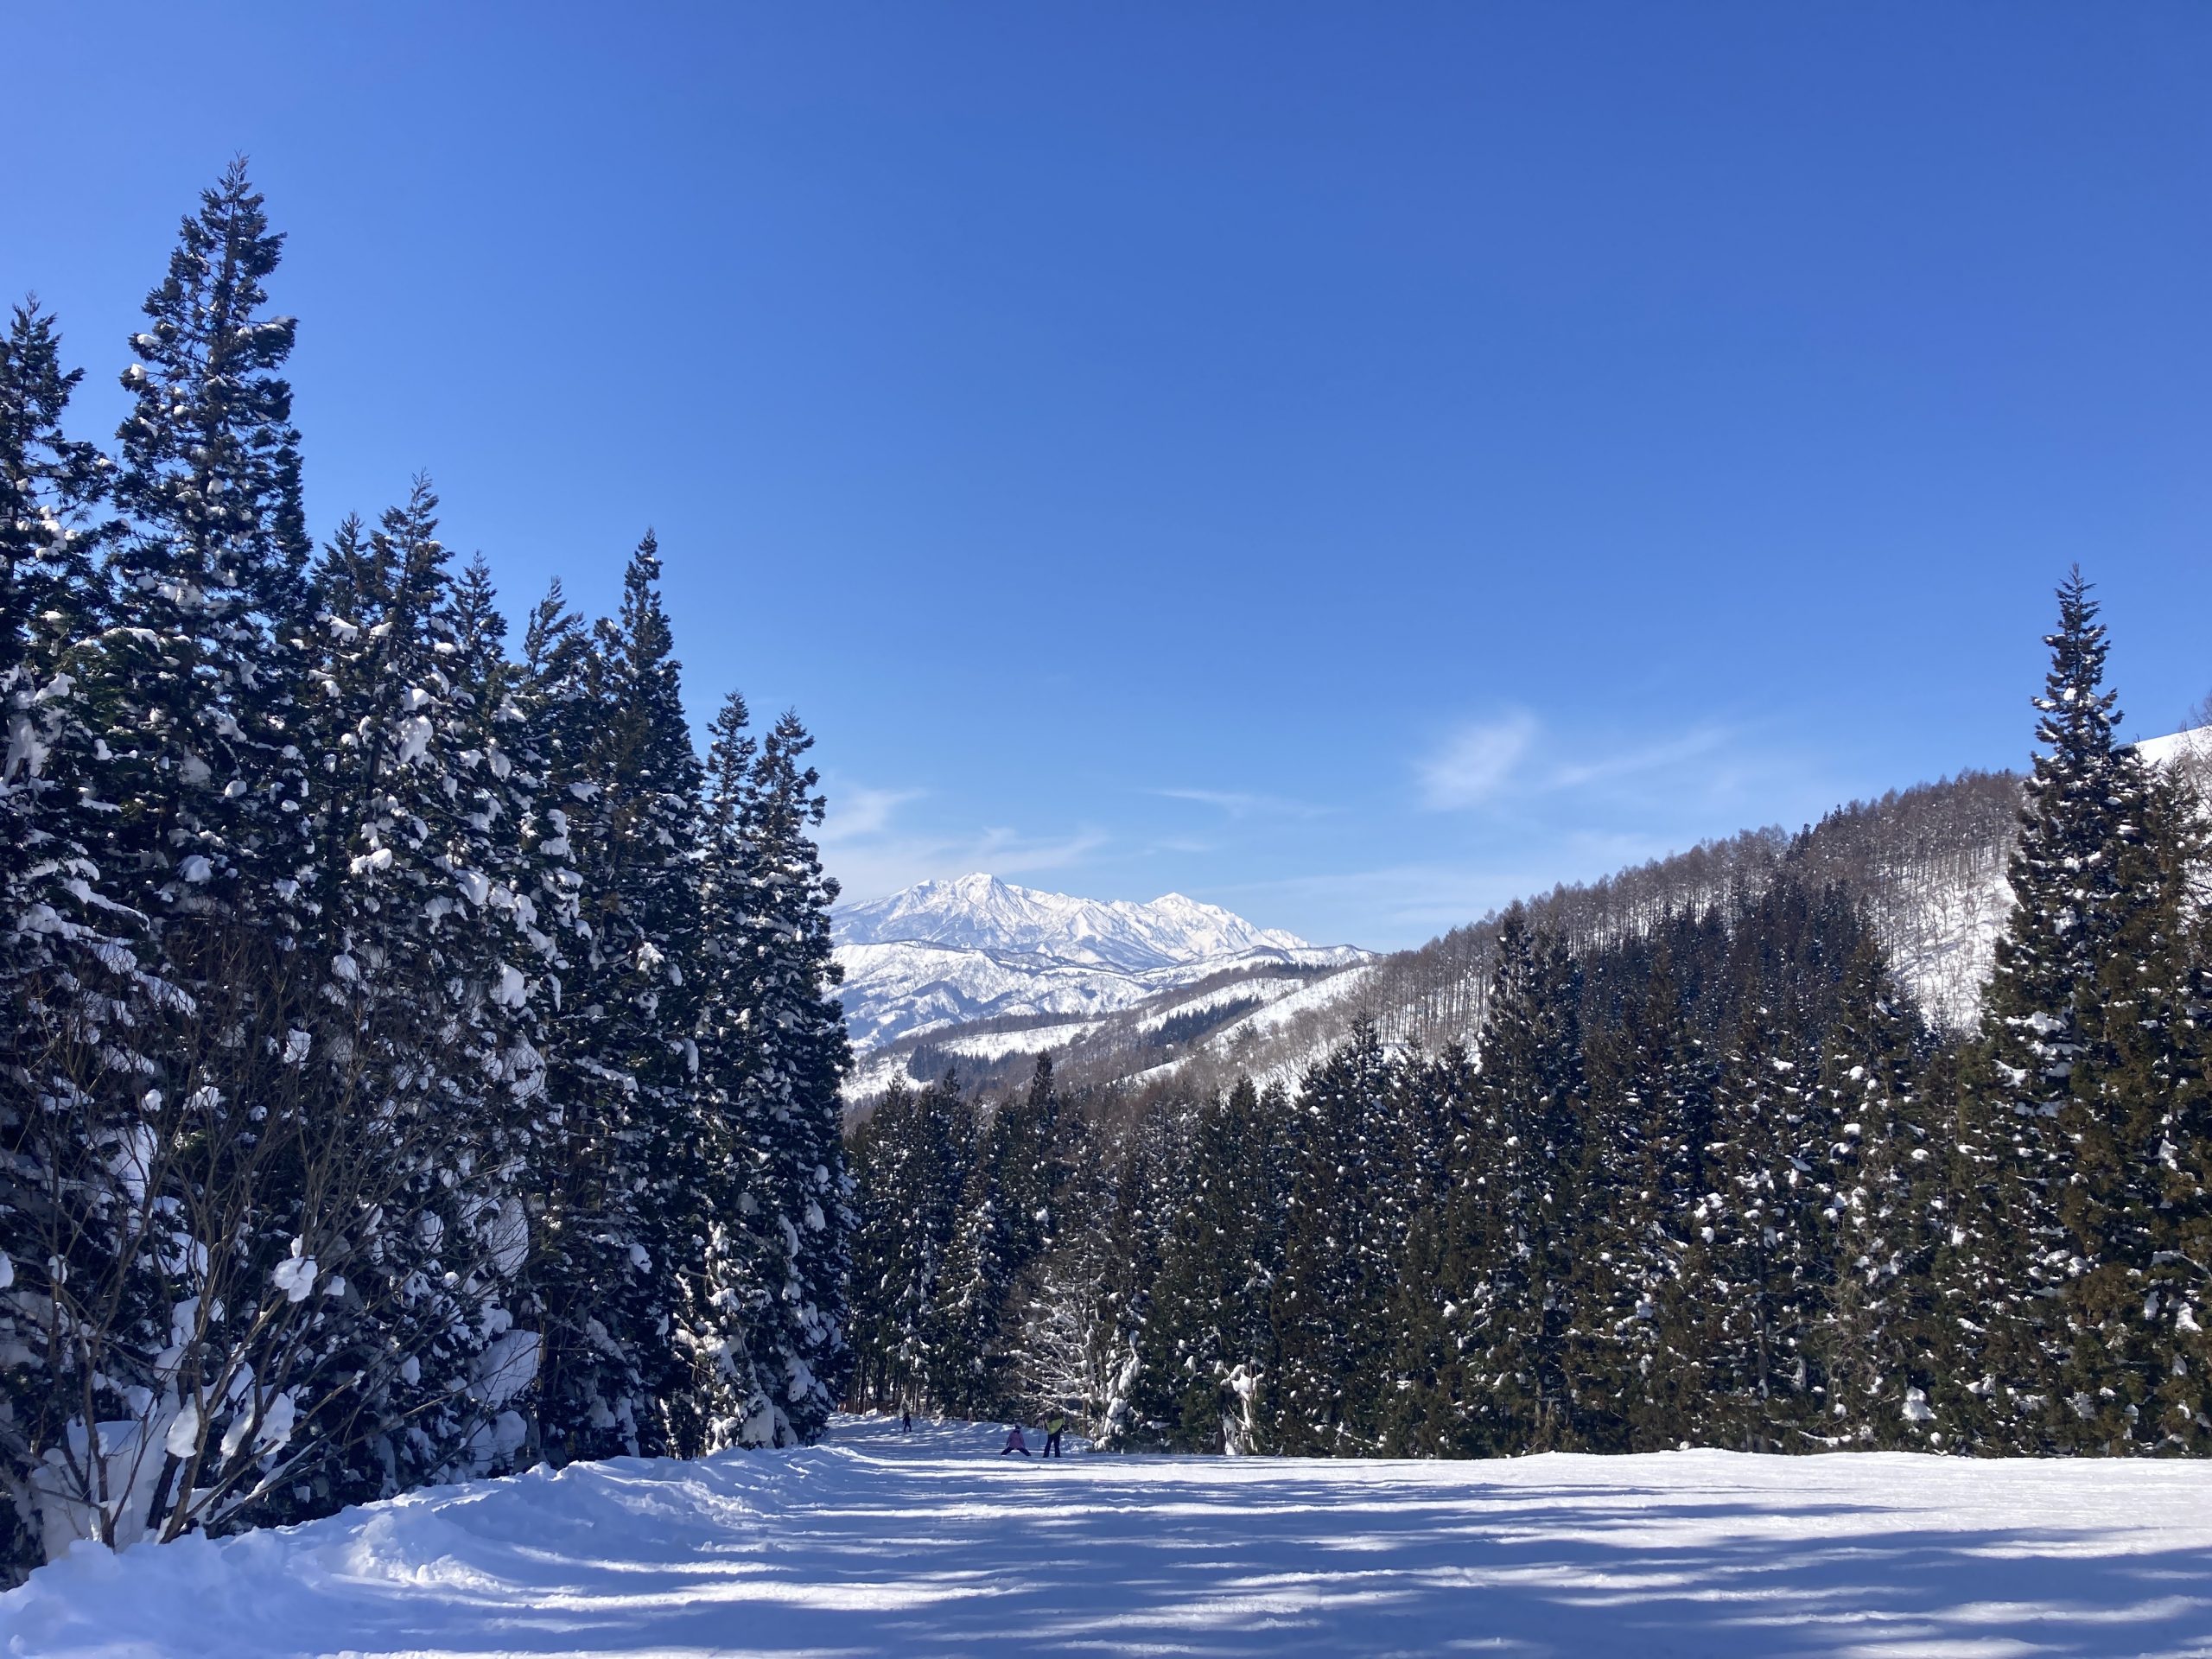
column 1055, row 1426
column 1015, row 1442
column 905, row 1420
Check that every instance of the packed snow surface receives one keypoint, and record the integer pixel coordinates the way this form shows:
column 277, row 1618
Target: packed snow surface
column 873, row 1544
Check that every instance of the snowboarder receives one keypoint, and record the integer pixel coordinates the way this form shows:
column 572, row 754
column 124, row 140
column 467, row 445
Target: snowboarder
column 1015, row 1442
column 1055, row 1426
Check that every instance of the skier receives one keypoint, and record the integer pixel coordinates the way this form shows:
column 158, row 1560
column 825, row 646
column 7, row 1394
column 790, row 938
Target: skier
column 1015, row 1442
column 1055, row 1427
column 905, row 1420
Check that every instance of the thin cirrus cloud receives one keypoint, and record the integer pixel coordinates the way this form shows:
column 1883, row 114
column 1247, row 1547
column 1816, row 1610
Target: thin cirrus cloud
column 1399, row 904
column 1476, row 762
column 872, row 854
column 1486, row 761
column 1240, row 804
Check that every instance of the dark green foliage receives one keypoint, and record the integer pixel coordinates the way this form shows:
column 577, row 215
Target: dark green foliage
column 1711, row 1181
column 910, row 1160
column 401, row 1079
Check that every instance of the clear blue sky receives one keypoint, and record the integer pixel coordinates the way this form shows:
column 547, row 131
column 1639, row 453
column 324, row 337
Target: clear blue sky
column 1352, row 463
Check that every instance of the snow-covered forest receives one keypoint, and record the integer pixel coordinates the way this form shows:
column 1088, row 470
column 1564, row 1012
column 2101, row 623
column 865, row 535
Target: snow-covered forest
column 414, row 1062
column 1709, row 1174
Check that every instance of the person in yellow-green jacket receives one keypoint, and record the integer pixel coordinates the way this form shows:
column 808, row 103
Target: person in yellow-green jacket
column 1055, row 1426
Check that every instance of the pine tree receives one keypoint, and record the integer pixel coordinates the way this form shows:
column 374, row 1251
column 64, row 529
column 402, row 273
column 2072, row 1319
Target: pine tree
column 1328, row 1305
column 1208, row 1342
column 53, row 918
column 1634, row 1372
column 910, row 1160
column 1139, row 1410
column 729, row 1290
column 2065, row 880
column 190, row 840
column 1509, row 1263
column 621, row 1050
column 1426, row 1412
column 967, row 1320
column 425, row 1032
column 73, row 980
column 49, row 596
column 793, row 1103
column 206, row 657
column 778, row 1224
column 1876, row 1326
column 1753, row 1277
column 2132, row 1211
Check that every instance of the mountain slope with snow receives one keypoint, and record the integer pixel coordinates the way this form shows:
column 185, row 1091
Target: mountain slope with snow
column 946, row 953
column 1929, row 862
column 984, row 913
column 933, row 1544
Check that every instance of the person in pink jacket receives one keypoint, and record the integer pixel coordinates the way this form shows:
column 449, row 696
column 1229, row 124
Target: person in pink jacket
column 1015, row 1442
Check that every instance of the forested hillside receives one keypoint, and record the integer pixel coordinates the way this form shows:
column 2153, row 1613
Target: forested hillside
column 413, row 1064
column 1738, row 1165
column 1927, row 863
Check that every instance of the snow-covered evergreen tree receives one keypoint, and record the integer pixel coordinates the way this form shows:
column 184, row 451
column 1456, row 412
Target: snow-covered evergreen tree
column 765, row 1325
column 1886, row 1212
column 967, row 1323
column 910, row 1160
column 1755, row 1273
column 1208, row 1345
column 189, row 838
column 350, row 1134
column 728, row 1284
column 2135, row 1205
column 1633, row 1363
column 1508, row 1261
column 427, row 932
column 205, row 663
column 73, row 984
column 2014, row 1252
column 1328, row 1304
column 789, row 1096
column 620, row 1048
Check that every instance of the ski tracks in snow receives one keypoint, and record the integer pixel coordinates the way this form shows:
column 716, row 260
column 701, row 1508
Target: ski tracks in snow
column 877, row 1544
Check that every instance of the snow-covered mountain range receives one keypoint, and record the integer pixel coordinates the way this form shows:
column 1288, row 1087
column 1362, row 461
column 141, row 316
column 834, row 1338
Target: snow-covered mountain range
column 983, row 975
column 945, row 953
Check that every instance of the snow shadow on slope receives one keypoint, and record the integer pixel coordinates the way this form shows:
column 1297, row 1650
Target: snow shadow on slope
column 932, row 1545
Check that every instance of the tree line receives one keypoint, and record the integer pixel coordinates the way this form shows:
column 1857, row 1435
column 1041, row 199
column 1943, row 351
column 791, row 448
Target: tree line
column 1712, row 1180
column 414, row 1062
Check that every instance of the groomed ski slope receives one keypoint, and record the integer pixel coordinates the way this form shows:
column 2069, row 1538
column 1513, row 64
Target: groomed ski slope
column 872, row 1545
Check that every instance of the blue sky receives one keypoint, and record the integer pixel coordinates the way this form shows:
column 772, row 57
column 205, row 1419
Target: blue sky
column 1350, row 463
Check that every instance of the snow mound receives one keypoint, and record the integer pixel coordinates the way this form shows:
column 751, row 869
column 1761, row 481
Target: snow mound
column 875, row 1543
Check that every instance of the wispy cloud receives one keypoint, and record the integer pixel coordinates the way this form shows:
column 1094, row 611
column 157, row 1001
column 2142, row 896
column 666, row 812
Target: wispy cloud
column 1476, row 762
column 1239, row 803
column 1659, row 755
column 1513, row 757
column 1389, row 906
column 871, row 853
column 857, row 813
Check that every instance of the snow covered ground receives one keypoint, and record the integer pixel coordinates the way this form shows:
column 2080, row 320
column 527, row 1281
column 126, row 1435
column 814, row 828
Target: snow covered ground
column 871, row 1544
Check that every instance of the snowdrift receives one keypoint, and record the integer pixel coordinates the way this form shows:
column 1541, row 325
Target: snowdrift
column 874, row 1544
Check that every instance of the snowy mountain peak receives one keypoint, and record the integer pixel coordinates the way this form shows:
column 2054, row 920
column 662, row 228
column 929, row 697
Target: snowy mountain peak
column 943, row 952
column 981, row 913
